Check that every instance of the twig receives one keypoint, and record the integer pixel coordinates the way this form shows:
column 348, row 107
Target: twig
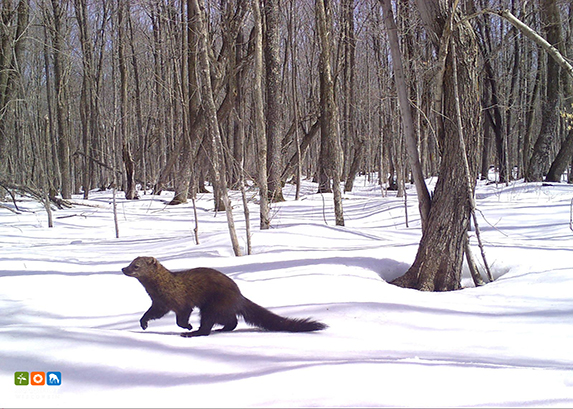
column 470, row 192
column 491, row 225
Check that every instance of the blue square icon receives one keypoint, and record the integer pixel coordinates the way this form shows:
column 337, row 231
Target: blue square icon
column 54, row 378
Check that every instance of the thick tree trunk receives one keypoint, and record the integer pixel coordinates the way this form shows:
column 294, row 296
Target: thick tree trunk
column 562, row 159
column 438, row 263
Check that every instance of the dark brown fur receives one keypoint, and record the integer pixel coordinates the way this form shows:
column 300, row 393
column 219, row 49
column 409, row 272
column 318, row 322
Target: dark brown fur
column 216, row 295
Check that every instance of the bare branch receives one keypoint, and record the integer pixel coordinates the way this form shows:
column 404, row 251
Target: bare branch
column 532, row 35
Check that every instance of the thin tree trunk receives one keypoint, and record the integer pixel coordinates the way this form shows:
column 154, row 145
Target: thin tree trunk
column 292, row 30
column 129, row 163
column 260, row 129
column 50, row 140
column 239, row 114
column 245, row 208
column 274, row 99
column 200, row 26
column 88, row 101
column 140, row 133
column 183, row 90
column 330, row 132
column 62, row 102
column 424, row 202
column 356, row 142
column 529, row 120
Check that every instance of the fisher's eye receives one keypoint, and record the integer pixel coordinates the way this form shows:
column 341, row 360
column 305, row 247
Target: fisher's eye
column 136, row 266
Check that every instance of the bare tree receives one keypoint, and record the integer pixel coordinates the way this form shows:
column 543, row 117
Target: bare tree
column 330, row 155
column 438, row 263
column 355, row 143
column 126, row 149
column 260, row 129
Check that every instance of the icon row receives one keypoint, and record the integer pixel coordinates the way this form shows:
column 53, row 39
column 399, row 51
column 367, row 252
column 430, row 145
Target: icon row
column 37, row 378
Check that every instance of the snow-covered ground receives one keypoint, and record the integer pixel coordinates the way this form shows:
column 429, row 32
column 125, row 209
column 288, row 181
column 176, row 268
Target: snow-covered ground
column 65, row 306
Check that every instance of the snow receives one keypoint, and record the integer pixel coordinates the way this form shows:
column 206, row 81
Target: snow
column 65, row 305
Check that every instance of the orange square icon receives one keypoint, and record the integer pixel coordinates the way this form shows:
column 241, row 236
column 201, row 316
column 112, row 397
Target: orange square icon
column 38, row 378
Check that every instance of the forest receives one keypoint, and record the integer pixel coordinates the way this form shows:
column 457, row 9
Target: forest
column 151, row 95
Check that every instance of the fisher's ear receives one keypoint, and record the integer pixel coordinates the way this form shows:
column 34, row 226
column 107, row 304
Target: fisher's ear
column 152, row 261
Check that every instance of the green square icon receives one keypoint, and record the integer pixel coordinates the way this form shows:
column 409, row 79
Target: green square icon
column 21, row 378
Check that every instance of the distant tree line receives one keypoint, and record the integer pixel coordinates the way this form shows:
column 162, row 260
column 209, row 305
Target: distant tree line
column 171, row 94
column 97, row 90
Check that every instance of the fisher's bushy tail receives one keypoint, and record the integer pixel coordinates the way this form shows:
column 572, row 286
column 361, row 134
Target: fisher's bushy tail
column 260, row 317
